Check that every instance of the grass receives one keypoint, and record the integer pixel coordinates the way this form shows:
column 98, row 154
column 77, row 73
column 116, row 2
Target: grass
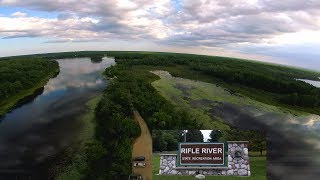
column 255, row 94
column 257, row 166
column 198, row 90
column 167, row 89
column 78, row 161
column 257, row 154
column 88, row 119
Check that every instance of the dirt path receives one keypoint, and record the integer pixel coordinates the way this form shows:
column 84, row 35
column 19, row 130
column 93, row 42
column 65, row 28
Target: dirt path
column 143, row 147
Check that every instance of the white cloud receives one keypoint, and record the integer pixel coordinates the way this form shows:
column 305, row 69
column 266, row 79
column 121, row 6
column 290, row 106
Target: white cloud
column 19, row 14
column 204, row 24
column 76, row 28
column 301, row 37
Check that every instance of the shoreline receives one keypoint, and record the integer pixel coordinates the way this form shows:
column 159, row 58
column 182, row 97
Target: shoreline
column 9, row 103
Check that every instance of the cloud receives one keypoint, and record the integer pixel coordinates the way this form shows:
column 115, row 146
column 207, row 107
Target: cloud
column 290, row 5
column 185, row 23
column 204, row 22
column 125, row 20
column 229, row 22
column 19, row 14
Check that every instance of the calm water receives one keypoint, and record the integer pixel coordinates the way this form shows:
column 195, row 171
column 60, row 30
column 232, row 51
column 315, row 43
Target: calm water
column 49, row 122
column 314, row 83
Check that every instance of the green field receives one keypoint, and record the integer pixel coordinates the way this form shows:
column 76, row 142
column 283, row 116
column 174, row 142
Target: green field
column 167, row 88
column 269, row 101
column 182, row 92
column 257, row 166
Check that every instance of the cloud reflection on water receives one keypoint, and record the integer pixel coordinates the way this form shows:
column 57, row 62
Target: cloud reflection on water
column 82, row 74
column 35, row 131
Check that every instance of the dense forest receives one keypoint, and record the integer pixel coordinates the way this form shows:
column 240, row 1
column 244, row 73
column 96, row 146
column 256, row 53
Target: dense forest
column 129, row 90
column 18, row 75
column 279, row 81
column 109, row 157
column 158, row 113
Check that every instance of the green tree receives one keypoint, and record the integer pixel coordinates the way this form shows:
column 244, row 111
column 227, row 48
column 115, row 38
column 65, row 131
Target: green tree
column 215, row 135
column 165, row 140
column 194, row 136
column 172, row 142
column 158, row 141
column 257, row 139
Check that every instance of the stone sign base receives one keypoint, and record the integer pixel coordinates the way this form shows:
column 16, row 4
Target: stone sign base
column 237, row 164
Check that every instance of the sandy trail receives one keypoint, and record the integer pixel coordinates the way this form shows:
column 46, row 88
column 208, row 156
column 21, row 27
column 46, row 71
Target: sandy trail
column 143, row 147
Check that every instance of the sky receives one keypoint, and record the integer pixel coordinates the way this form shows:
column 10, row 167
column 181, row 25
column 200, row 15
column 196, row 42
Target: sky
column 285, row 32
column 206, row 134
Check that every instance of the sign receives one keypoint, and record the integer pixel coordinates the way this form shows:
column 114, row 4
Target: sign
column 201, row 154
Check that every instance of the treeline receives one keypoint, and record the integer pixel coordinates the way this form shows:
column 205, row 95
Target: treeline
column 154, row 59
column 110, row 156
column 158, row 58
column 60, row 55
column 22, row 74
column 95, row 56
column 263, row 76
column 257, row 139
column 294, row 92
column 155, row 109
column 168, row 140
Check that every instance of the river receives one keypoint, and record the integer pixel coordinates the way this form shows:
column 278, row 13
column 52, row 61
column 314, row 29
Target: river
column 313, row 83
column 47, row 123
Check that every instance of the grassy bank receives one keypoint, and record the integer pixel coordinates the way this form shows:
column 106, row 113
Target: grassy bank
column 177, row 91
column 8, row 103
column 263, row 96
column 257, row 166
column 202, row 98
column 77, row 165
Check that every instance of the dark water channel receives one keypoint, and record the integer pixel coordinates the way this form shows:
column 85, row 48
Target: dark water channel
column 47, row 122
column 293, row 143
